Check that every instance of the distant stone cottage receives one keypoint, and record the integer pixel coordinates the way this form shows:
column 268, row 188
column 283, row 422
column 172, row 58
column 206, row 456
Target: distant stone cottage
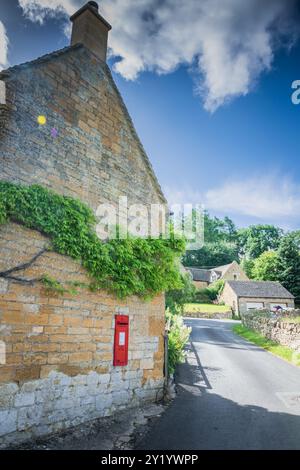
column 58, row 369
column 204, row 277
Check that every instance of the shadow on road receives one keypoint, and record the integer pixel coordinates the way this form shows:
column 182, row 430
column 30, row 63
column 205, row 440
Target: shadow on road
column 201, row 419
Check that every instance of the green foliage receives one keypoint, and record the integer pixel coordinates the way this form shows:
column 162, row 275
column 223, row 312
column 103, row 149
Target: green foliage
column 218, row 230
column 211, row 293
column 256, row 239
column 203, row 296
column 176, row 299
column 134, row 266
column 266, row 267
column 212, row 255
column 289, row 264
column 247, row 266
column 52, row 286
column 178, row 337
column 206, row 308
column 220, row 247
column 282, row 351
column 216, row 289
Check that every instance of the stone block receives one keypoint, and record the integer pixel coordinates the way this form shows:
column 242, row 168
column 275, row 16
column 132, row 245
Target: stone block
column 8, row 422
column 24, row 399
column 7, row 395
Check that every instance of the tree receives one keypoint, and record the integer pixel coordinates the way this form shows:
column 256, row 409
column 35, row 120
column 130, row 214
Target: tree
column 211, row 255
column 176, row 299
column 266, row 267
column 256, row 239
column 217, row 230
column 247, row 266
column 289, row 263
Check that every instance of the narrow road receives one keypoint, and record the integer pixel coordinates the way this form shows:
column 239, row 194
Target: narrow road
column 231, row 395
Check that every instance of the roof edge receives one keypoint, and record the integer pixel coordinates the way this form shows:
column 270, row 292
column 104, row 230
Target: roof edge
column 40, row 60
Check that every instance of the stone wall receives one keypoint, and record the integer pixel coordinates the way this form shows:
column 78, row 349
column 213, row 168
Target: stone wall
column 59, row 348
column 200, row 284
column 56, row 352
column 266, row 303
column 216, row 315
column 96, row 156
column 235, row 270
column 229, row 298
column 278, row 329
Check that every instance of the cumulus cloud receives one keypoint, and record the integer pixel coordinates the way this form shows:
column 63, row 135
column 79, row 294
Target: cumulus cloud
column 39, row 10
column 267, row 198
column 275, row 197
column 227, row 43
column 3, row 46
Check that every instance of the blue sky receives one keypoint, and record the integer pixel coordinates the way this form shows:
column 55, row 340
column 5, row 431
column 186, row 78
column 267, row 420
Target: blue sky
column 240, row 157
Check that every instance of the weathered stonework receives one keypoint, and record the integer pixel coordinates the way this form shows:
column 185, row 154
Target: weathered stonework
column 216, row 315
column 97, row 156
column 234, row 272
column 284, row 332
column 59, row 349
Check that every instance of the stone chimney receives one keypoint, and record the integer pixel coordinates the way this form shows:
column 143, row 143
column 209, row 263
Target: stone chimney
column 90, row 29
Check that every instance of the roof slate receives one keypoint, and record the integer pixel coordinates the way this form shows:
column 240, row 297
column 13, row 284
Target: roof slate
column 200, row 274
column 260, row 289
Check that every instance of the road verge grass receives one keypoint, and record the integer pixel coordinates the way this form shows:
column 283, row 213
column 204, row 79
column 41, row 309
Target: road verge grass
column 206, row 308
column 281, row 351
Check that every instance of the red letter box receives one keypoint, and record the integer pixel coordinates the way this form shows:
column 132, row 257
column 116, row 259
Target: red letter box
column 121, row 340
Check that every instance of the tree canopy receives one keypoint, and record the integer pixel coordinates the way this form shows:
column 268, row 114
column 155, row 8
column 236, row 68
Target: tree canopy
column 264, row 251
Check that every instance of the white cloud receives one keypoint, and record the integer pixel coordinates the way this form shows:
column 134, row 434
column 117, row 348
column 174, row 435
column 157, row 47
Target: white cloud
column 228, row 43
column 275, row 197
column 263, row 197
column 39, row 10
column 3, row 46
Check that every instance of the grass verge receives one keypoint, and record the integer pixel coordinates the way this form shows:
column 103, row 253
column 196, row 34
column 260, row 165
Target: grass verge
column 206, row 308
column 290, row 320
column 281, row 351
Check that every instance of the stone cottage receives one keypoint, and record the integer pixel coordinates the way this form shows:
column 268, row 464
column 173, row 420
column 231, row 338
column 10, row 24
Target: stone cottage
column 204, row 277
column 244, row 296
column 56, row 355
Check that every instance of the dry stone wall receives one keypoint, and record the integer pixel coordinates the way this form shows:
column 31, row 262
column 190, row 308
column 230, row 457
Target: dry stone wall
column 278, row 329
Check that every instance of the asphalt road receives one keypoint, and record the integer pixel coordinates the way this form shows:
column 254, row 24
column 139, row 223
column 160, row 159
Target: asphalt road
column 231, row 395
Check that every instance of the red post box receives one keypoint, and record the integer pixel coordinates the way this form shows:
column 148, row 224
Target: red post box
column 121, row 340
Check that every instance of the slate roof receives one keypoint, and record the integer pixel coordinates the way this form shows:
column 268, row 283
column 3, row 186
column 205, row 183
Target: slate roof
column 204, row 275
column 221, row 269
column 257, row 289
column 200, row 274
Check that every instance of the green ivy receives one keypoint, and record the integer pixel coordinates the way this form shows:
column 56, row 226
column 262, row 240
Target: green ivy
column 133, row 266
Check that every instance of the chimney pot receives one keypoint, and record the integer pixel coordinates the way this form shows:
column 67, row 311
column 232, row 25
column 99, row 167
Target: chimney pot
column 91, row 29
column 94, row 5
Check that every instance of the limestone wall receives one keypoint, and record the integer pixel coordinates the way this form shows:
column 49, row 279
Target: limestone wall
column 284, row 332
column 58, row 367
column 235, row 272
column 96, row 155
column 217, row 315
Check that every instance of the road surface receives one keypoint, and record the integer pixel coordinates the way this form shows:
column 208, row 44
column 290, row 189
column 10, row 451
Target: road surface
column 231, row 395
